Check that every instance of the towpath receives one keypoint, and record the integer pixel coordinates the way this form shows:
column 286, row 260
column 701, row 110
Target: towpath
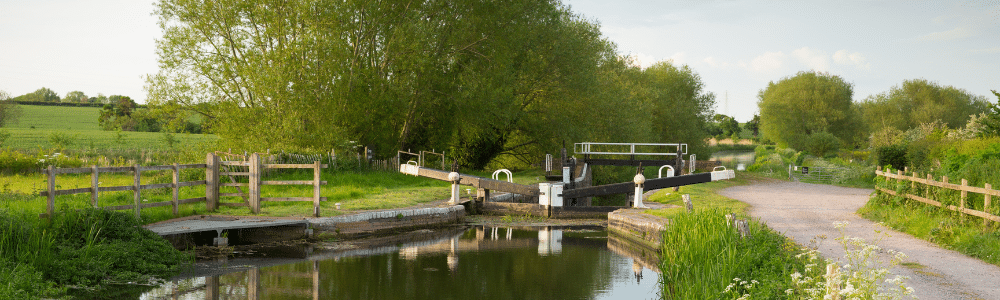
column 806, row 212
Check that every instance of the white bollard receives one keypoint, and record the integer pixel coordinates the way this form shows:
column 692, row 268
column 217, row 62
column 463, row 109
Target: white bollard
column 639, row 180
column 455, row 191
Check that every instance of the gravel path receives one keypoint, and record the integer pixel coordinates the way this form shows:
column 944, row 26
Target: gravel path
column 806, row 211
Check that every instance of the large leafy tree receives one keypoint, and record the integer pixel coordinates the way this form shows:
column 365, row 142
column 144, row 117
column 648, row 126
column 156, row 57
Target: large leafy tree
column 796, row 107
column 507, row 79
column 919, row 101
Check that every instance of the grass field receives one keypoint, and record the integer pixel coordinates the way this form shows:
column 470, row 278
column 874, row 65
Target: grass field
column 38, row 123
column 704, row 196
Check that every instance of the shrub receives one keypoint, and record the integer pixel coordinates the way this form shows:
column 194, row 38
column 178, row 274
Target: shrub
column 822, row 143
column 894, row 155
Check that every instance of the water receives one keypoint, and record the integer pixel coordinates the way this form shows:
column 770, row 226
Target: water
column 474, row 263
column 731, row 158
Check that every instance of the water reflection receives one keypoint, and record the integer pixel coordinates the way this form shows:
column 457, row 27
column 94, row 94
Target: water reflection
column 731, row 159
column 481, row 262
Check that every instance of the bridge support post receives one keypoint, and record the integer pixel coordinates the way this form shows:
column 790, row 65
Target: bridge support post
column 639, row 180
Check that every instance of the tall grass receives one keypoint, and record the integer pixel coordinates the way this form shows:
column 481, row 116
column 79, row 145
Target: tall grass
column 89, row 250
column 702, row 256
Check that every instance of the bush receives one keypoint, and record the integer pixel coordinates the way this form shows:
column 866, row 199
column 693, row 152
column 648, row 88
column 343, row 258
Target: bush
column 894, row 155
column 822, row 143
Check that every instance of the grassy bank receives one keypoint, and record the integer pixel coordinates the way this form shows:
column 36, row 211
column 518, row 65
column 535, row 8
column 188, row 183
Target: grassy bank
column 91, row 254
column 952, row 230
column 354, row 190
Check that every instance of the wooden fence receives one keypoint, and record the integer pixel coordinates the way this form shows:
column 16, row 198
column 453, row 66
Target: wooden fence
column 253, row 170
column 987, row 191
column 136, row 187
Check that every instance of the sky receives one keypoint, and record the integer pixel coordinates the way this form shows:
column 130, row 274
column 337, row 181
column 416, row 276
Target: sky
column 737, row 47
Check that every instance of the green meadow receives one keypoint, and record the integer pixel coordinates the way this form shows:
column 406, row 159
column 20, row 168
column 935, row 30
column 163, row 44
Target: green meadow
column 37, row 125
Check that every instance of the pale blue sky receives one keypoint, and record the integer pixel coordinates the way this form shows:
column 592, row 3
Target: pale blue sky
column 736, row 46
column 740, row 46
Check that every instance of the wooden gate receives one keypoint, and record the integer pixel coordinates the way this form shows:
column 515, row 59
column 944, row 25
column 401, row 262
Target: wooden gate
column 253, row 169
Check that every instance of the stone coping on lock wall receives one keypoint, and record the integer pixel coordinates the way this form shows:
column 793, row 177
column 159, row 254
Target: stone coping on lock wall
column 371, row 222
column 638, row 227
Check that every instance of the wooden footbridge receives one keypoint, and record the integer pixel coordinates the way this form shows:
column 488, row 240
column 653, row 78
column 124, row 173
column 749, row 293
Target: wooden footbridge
column 552, row 194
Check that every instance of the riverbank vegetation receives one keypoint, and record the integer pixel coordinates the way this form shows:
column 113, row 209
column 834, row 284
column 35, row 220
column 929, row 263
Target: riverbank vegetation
column 89, row 254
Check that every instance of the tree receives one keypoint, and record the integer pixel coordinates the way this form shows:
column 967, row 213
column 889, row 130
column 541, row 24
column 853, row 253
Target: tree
column 920, row 101
column 9, row 110
column 40, row 95
column 75, row 97
column 990, row 121
column 821, row 144
column 796, row 107
column 681, row 107
column 754, row 125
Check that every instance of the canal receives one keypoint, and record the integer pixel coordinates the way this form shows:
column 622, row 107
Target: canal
column 478, row 262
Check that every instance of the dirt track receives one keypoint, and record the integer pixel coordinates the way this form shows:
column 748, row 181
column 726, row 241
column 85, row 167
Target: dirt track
column 805, row 211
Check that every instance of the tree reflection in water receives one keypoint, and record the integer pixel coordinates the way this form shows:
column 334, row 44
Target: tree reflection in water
column 478, row 263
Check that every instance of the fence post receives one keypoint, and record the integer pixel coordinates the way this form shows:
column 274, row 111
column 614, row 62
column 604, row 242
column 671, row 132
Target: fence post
column 254, row 185
column 929, row 179
column 913, row 184
column 211, row 182
column 138, row 191
column 316, row 182
column 51, row 206
column 177, row 189
column 986, row 202
column 961, row 203
column 93, row 185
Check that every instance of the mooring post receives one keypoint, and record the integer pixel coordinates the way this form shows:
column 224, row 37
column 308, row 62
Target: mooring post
column 639, row 180
column 454, row 177
column 254, row 183
column 687, row 203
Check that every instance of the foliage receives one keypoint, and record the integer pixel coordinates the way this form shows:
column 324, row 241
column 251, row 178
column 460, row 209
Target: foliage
column 61, row 140
column 894, row 155
column 937, row 225
column 486, row 81
column 990, row 123
column 87, row 249
column 754, row 125
column 809, row 102
column 822, row 143
column 10, row 112
column 920, row 101
column 860, row 274
column 40, row 95
column 76, row 97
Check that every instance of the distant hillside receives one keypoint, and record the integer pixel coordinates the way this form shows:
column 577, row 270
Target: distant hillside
column 38, row 123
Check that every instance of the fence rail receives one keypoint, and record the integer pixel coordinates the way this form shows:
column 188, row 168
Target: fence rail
column 136, row 187
column 987, row 191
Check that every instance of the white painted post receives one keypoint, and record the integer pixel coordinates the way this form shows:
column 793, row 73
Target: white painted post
column 694, row 163
column 454, row 177
column 565, row 174
column 639, row 180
